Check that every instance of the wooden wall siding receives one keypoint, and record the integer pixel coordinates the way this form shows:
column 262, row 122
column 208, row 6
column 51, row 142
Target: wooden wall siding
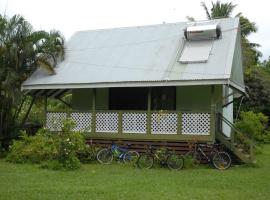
column 173, row 125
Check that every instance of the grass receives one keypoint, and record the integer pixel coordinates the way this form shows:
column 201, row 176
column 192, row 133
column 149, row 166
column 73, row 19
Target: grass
column 116, row 182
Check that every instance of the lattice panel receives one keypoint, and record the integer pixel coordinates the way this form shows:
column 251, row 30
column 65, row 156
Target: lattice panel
column 107, row 122
column 134, row 122
column 82, row 120
column 196, row 123
column 54, row 120
column 164, row 123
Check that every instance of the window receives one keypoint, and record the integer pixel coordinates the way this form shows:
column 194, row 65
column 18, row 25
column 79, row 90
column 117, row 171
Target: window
column 163, row 98
column 128, row 98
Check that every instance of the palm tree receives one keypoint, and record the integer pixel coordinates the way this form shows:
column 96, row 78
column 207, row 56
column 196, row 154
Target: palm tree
column 218, row 10
column 224, row 10
column 22, row 50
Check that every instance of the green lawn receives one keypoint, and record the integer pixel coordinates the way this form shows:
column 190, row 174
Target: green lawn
column 111, row 182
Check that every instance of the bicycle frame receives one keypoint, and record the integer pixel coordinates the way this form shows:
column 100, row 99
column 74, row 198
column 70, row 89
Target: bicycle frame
column 201, row 151
column 117, row 151
column 157, row 157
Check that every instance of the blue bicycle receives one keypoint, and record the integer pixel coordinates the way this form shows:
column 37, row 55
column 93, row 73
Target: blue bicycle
column 107, row 155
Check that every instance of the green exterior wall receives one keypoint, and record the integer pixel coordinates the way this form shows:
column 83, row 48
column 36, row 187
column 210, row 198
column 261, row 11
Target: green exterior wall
column 189, row 98
column 82, row 99
column 217, row 98
column 192, row 98
column 102, row 99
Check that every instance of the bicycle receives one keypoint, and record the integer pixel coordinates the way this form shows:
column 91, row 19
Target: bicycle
column 107, row 155
column 219, row 159
column 168, row 158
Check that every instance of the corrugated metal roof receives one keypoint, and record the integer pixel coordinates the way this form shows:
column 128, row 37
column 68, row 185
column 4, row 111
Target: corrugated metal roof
column 137, row 55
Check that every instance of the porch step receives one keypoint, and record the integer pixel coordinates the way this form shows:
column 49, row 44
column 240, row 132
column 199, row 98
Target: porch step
column 246, row 158
column 237, row 151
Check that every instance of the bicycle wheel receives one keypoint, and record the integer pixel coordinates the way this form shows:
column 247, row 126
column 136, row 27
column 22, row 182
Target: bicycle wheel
column 131, row 157
column 105, row 156
column 221, row 160
column 175, row 162
column 145, row 161
column 194, row 158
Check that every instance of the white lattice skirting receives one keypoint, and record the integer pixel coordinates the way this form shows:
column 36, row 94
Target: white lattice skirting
column 196, row 123
column 54, row 120
column 82, row 120
column 165, row 123
column 134, row 123
column 107, row 122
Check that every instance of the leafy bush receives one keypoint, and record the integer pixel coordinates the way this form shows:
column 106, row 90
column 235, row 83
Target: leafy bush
column 88, row 153
column 57, row 150
column 254, row 125
column 33, row 149
column 69, row 144
column 2, row 152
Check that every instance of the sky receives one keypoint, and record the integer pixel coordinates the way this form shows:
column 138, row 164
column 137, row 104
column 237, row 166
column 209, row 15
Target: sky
column 69, row 16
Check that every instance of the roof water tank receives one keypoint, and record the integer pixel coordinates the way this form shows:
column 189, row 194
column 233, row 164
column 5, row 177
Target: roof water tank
column 203, row 32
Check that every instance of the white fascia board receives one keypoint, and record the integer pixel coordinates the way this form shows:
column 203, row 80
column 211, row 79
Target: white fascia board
column 237, row 86
column 127, row 84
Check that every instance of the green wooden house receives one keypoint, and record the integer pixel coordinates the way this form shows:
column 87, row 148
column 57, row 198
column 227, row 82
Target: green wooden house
column 166, row 82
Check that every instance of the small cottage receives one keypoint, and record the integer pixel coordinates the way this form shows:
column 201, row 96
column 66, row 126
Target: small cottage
column 165, row 82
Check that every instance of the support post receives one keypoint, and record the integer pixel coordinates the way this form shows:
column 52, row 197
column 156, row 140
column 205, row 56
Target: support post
column 120, row 122
column 45, row 109
column 232, row 139
column 149, row 97
column 213, row 114
column 93, row 125
column 213, row 122
column 179, row 121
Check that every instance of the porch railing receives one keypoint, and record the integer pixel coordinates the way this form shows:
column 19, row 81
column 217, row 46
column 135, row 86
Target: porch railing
column 136, row 122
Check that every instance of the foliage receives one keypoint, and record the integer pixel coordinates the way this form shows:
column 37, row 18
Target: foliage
column 258, row 82
column 266, row 64
column 22, row 50
column 218, row 9
column 33, row 149
column 88, row 153
column 69, row 143
column 57, row 150
column 254, row 125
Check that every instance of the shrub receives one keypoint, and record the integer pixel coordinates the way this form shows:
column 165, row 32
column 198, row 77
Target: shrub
column 88, row 153
column 57, row 150
column 254, row 125
column 33, row 149
column 69, row 144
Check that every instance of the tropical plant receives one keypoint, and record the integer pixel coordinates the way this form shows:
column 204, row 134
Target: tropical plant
column 59, row 150
column 254, row 125
column 258, row 82
column 22, row 50
column 223, row 10
column 218, row 10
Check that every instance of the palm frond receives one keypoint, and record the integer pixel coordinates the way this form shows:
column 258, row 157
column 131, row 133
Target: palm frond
column 191, row 19
column 45, row 65
column 206, row 10
column 220, row 10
